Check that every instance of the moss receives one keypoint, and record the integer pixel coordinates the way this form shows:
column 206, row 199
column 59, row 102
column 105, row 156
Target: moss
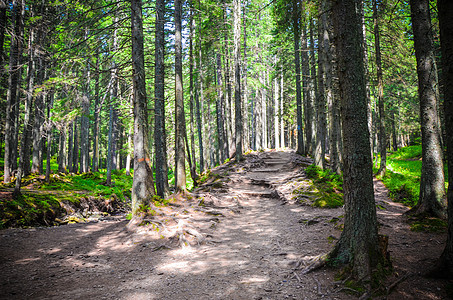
column 327, row 187
column 429, row 225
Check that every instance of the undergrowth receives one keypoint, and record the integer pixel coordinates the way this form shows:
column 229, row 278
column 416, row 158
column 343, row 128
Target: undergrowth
column 402, row 177
column 329, row 186
column 29, row 210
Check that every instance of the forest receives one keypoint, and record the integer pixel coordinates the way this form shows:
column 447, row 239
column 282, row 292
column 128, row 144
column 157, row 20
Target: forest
column 177, row 123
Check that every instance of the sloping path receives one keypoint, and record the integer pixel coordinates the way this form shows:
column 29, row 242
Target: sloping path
column 251, row 253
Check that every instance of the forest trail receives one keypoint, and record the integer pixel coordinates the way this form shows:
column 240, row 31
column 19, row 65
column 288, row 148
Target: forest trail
column 254, row 251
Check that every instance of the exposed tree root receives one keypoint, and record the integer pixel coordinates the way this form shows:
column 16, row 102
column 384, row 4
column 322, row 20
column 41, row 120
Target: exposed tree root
column 401, row 279
column 319, row 262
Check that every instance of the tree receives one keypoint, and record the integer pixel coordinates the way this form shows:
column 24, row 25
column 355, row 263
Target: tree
column 159, row 98
column 382, row 136
column 444, row 266
column 358, row 245
column 432, row 182
column 13, row 82
column 142, row 185
column 180, row 119
column 296, row 27
column 237, row 78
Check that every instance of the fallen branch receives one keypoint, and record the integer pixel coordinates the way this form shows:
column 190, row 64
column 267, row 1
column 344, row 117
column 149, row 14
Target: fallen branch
column 393, row 285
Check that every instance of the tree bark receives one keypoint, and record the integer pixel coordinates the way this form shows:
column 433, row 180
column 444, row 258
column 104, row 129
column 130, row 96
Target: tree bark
column 432, row 199
column 159, row 108
column 25, row 143
column 358, row 245
column 142, row 184
column 313, row 87
column 220, row 110
column 110, row 148
column 444, row 266
column 237, row 79
column 308, row 102
column 198, row 99
column 70, row 146
column 97, row 110
column 85, row 125
column 331, row 88
column 193, row 165
column 321, row 128
column 382, row 136
column 180, row 120
column 13, row 81
column 296, row 28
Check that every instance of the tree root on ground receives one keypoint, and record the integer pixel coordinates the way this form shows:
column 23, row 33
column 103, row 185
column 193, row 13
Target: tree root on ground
column 317, row 263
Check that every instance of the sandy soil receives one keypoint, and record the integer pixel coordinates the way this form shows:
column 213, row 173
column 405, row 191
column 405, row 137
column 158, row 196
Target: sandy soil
column 254, row 249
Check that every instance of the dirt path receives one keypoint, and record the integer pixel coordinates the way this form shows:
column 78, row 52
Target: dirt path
column 252, row 253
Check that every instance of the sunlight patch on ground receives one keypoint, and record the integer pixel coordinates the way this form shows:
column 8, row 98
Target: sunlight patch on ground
column 255, row 279
column 27, row 260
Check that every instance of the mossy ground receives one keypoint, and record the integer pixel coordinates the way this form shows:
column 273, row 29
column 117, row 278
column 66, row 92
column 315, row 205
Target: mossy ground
column 402, row 177
column 41, row 202
column 327, row 189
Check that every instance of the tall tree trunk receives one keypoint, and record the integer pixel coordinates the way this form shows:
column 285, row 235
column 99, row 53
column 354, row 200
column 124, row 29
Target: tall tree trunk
column 180, row 120
column 97, row 110
column 3, row 22
column 110, row 147
column 367, row 80
column 228, row 107
column 382, row 136
column 331, row 89
column 313, row 87
column 13, row 81
column 358, row 245
column 49, row 127
column 70, row 146
column 321, row 132
column 25, row 143
column 308, row 102
column 159, row 112
column 237, row 77
column 193, row 170
column 276, row 110
column 142, row 185
column 220, row 109
column 38, row 116
column 444, row 266
column 75, row 153
column 245, row 113
column 296, row 27
column 394, row 133
column 282, row 125
column 85, row 125
column 61, row 150
column 432, row 182
column 198, row 99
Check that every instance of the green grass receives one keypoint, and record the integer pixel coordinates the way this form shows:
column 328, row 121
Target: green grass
column 92, row 183
column 402, row 177
column 329, row 186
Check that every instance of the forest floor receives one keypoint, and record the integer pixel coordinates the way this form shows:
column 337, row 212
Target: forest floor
column 241, row 235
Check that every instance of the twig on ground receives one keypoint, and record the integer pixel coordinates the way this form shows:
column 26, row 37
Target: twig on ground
column 393, row 285
column 297, row 276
